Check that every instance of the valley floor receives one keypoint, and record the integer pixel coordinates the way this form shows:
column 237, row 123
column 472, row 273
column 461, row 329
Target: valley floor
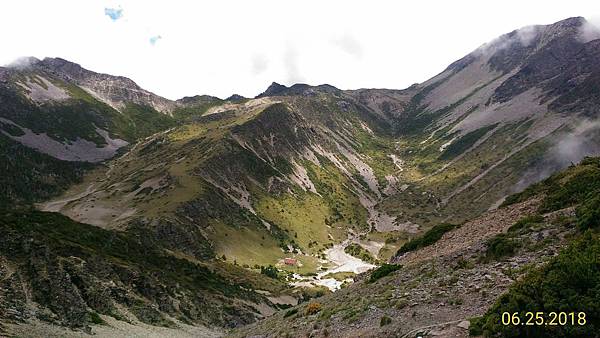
column 438, row 289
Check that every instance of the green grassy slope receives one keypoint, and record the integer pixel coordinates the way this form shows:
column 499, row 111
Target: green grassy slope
column 570, row 282
column 76, row 270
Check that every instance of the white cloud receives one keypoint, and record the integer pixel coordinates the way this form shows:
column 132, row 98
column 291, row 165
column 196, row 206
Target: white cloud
column 260, row 63
column 222, row 47
column 290, row 60
column 591, row 30
column 349, row 44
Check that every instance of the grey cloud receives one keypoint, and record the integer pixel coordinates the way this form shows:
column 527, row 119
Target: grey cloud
column 290, row 62
column 350, row 45
column 589, row 30
column 260, row 63
column 525, row 36
column 570, row 148
column 23, row 62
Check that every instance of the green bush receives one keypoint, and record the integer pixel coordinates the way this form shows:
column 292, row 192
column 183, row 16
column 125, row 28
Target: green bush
column 385, row 320
column 464, row 142
column 564, row 189
column 588, row 214
column 96, row 319
column 430, row 237
column 475, row 326
column 359, row 252
column 525, row 221
column 383, row 271
column 290, row 313
column 500, row 246
column 269, row 271
column 570, row 282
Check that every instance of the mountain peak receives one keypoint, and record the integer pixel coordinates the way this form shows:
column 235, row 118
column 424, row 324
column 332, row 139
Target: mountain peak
column 197, row 100
column 575, row 21
column 235, row 98
column 274, row 89
column 23, row 62
column 59, row 63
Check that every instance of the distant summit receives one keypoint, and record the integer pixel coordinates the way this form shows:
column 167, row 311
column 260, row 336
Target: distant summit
column 235, row 98
column 276, row 89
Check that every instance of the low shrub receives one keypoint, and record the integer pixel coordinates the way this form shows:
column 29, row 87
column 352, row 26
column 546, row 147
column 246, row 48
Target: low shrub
column 269, row 271
column 564, row 189
column 500, row 246
column 588, row 213
column 383, row 271
column 312, row 308
column 525, row 221
column 385, row 320
column 429, row 238
column 359, row 252
column 290, row 313
column 96, row 319
column 569, row 282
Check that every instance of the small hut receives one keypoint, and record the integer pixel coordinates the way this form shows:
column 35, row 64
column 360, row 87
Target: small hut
column 290, row 261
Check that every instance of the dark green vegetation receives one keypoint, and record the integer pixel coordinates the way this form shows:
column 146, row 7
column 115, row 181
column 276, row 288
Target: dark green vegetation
column 194, row 107
column 290, row 312
column 68, row 266
column 139, row 121
column 465, row 142
column 383, row 271
column 499, row 247
column 80, row 115
column 269, row 271
column 566, row 188
column 29, row 176
column 588, row 214
column 428, row 238
column 359, row 252
column 570, row 282
column 385, row 320
column 525, row 221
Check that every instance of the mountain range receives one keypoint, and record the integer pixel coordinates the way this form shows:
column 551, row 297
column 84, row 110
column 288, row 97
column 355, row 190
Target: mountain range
column 127, row 212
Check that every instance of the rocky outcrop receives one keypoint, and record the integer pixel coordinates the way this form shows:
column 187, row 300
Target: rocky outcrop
column 276, row 89
column 114, row 90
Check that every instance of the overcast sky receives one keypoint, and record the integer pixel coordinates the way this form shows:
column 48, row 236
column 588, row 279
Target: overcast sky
column 182, row 48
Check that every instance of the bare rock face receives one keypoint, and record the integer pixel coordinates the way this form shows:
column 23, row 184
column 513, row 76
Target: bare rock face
column 3, row 74
column 235, row 98
column 113, row 90
column 276, row 89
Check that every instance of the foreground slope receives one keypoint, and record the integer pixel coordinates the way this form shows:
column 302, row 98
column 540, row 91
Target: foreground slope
column 539, row 252
column 76, row 275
